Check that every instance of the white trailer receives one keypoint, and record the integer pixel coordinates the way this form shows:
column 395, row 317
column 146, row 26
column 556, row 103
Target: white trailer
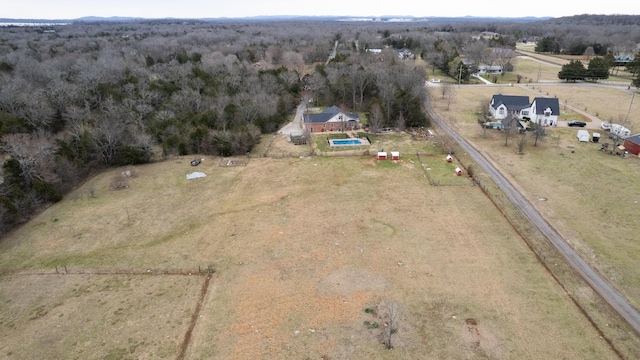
column 620, row 131
column 583, row 136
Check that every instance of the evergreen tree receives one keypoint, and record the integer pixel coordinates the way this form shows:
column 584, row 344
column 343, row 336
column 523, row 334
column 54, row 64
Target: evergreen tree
column 598, row 68
column 573, row 71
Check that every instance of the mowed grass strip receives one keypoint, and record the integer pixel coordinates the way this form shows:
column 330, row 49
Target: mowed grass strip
column 301, row 247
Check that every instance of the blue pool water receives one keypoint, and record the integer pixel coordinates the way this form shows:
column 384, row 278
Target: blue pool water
column 346, row 142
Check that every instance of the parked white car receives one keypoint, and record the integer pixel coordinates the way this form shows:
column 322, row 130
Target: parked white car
column 606, row 126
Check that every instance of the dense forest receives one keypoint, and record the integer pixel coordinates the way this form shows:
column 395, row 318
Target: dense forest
column 81, row 97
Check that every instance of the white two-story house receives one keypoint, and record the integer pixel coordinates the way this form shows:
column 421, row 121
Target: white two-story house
column 542, row 111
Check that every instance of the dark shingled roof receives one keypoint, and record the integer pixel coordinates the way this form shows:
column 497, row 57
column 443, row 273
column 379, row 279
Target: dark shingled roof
column 634, row 139
column 511, row 120
column 543, row 103
column 327, row 114
column 512, row 102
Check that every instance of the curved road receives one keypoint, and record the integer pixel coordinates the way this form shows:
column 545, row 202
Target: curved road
column 591, row 276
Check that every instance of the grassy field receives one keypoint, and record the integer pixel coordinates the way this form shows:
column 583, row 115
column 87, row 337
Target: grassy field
column 617, row 74
column 607, row 103
column 306, row 252
column 589, row 196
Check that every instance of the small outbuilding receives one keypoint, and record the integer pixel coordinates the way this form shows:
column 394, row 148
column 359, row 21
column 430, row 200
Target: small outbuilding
column 382, row 155
column 632, row 144
column 458, row 171
column 583, row 136
column 449, row 158
column 595, row 137
column 395, row 155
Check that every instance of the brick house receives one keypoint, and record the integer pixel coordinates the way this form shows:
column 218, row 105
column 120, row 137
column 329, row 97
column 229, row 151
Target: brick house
column 331, row 119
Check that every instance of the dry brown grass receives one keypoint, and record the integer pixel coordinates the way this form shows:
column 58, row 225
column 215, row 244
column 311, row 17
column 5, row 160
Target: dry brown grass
column 95, row 316
column 590, row 197
column 301, row 248
column 606, row 103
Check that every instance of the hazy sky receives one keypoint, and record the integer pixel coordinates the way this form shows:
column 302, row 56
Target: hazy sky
column 70, row 9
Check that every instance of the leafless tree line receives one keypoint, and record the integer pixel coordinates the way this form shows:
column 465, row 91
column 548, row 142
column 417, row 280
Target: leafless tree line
column 89, row 95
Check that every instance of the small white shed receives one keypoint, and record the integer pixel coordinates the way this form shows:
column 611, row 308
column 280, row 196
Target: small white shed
column 583, row 136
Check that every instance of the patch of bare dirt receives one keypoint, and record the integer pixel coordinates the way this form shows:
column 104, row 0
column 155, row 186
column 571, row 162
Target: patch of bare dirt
column 480, row 338
column 347, row 281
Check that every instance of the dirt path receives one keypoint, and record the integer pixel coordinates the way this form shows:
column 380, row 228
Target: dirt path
column 591, row 276
column 295, row 126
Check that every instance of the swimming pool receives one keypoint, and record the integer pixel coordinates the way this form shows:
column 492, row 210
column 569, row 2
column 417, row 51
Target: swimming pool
column 348, row 142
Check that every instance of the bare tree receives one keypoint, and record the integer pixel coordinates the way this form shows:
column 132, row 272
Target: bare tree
column 509, row 128
column 539, row 132
column 361, row 79
column 589, row 53
column 502, row 57
column 386, row 90
column 523, row 140
column 476, row 52
column 450, row 96
column 445, row 89
column 390, row 314
column 376, row 118
column 34, row 153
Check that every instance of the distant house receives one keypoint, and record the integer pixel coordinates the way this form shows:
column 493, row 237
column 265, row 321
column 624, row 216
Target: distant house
column 503, row 105
column 544, row 111
column 331, row 119
column 374, row 51
column 489, row 34
column 622, row 60
column 489, row 69
column 632, row 144
column 405, row 54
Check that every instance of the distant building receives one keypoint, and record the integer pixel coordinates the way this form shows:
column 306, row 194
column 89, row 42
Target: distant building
column 632, row 144
column 405, row 54
column 622, row 60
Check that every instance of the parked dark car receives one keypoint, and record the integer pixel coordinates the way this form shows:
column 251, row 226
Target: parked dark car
column 577, row 123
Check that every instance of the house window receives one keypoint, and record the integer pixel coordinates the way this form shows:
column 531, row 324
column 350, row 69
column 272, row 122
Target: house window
column 525, row 112
column 332, row 124
column 547, row 114
column 324, row 125
column 501, row 111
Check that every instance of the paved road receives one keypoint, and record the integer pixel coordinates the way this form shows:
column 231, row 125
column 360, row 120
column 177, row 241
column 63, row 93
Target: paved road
column 597, row 282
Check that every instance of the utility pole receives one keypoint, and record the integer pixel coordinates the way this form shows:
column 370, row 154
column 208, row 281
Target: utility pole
column 460, row 75
column 628, row 111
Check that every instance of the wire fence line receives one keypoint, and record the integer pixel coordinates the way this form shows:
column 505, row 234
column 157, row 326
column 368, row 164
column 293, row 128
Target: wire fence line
column 66, row 270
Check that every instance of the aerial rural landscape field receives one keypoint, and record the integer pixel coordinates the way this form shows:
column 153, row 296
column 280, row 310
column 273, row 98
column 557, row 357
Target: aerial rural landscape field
column 168, row 192
column 300, row 249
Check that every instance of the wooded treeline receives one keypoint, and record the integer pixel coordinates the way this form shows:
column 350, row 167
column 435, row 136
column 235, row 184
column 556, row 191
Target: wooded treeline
column 81, row 97
column 77, row 98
